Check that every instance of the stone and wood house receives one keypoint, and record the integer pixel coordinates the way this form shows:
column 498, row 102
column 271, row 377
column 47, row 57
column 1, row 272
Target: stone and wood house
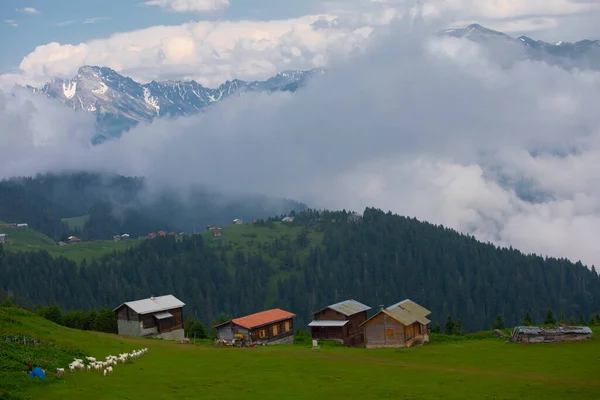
column 403, row 324
column 274, row 326
column 340, row 322
column 160, row 317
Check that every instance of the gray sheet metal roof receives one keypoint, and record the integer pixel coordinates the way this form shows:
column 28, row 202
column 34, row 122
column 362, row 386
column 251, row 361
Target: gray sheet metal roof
column 348, row 307
column 154, row 304
column 328, row 323
column 535, row 330
column 163, row 315
column 411, row 307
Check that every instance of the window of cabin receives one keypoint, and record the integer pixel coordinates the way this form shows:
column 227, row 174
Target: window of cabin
column 262, row 333
column 275, row 329
column 349, row 326
column 286, row 326
column 389, row 332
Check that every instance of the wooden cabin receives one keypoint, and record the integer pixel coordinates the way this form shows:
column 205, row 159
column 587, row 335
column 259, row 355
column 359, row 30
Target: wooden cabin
column 340, row 322
column 403, row 324
column 534, row 334
column 274, row 326
column 160, row 317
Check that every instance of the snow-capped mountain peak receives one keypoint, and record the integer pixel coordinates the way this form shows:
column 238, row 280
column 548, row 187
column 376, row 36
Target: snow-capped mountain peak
column 120, row 103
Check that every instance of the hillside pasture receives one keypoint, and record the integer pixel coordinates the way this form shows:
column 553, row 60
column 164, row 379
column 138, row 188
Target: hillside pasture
column 474, row 369
column 76, row 222
column 27, row 239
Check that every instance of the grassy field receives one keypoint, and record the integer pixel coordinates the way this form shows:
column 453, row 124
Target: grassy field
column 26, row 239
column 249, row 236
column 76, row 222
column 472, row 369
column 245, row 237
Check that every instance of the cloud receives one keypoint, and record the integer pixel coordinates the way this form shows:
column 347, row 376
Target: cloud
column 11, row 22
column 216, row 51
column 192, row 6
column 423, row 126
column 29, row 11
column 65, row 23
column 208, row 51
column 94, row 20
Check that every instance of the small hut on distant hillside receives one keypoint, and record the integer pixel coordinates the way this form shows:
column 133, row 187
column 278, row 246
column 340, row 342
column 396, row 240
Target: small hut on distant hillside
column 534, row 334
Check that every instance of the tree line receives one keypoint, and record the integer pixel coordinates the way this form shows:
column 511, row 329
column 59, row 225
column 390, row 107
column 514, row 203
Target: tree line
column 380, row 258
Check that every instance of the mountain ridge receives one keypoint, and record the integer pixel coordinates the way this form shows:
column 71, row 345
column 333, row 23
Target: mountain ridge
column 120, row 103
column 583, row 54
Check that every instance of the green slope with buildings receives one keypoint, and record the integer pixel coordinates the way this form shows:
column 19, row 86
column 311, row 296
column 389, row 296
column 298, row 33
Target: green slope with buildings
column 486, row 368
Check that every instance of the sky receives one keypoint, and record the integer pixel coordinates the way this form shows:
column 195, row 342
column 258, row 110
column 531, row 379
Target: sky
column 404, row 121
column 215, row 40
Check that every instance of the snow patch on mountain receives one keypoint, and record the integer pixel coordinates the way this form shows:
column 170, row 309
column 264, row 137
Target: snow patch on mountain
column 69, row 89
column 103, row 89
column 151, row 101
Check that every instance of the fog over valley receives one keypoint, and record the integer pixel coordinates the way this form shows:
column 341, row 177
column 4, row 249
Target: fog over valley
column 428, row 126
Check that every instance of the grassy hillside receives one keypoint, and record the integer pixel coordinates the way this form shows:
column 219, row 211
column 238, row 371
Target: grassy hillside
column 486, row 368
column 76, row 222
column 27, row 239
column 251, row 237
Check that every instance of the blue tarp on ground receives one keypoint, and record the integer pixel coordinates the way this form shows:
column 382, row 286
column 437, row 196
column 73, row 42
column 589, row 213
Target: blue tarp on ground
column 37, row 371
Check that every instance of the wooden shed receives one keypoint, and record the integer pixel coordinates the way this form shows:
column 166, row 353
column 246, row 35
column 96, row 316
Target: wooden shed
column 534, row 334
column 274, row 326
column 340, row 322
column 399, row 325
column 160, row 317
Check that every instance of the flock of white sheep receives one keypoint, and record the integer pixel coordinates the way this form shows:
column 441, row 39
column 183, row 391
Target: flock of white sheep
column 106, row 367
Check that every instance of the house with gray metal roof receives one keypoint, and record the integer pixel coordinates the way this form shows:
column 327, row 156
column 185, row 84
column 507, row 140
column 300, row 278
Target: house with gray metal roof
column 160, row 317
column 340, row 322
column 535, row 334
column 402, row 324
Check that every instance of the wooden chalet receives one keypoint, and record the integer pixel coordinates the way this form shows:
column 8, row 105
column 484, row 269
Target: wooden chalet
column 399, row 325
column 274, row 326
column 340, row 322
column 160, row 317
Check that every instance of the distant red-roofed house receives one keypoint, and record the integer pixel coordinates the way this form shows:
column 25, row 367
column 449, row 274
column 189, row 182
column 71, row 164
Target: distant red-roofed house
column 267, row 327
column 217, row 232
column 162, row 233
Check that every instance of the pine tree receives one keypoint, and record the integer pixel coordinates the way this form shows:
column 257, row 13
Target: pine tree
column 563, row 319
column 582, row 319
column 572, row 321
column 458, row 328
column 449, row 327
column 527, row 321
column 498, row 323
column 550, row 320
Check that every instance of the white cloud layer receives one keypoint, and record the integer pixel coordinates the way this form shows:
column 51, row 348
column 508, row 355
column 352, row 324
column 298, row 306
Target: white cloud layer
column 29, row 10
column 425, row 128
column 208, row 51
column 191, row 6
column 214, row 51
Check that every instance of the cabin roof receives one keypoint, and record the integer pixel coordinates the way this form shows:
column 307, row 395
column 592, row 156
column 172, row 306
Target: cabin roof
column 153, row 304
column 536, row 330
column 411, row 307
column 163, row 315
column 328, row 323
column 347, row 307
column 261, row 318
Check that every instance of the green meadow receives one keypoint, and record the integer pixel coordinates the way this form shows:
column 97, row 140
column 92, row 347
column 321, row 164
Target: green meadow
column 486, row 368
column 27, row 239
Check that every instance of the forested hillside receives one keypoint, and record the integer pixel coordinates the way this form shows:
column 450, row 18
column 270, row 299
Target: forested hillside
column 115, row 204
column 326, row 257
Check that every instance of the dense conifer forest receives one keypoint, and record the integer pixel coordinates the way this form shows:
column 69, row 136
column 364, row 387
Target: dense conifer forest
column 380, row 258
